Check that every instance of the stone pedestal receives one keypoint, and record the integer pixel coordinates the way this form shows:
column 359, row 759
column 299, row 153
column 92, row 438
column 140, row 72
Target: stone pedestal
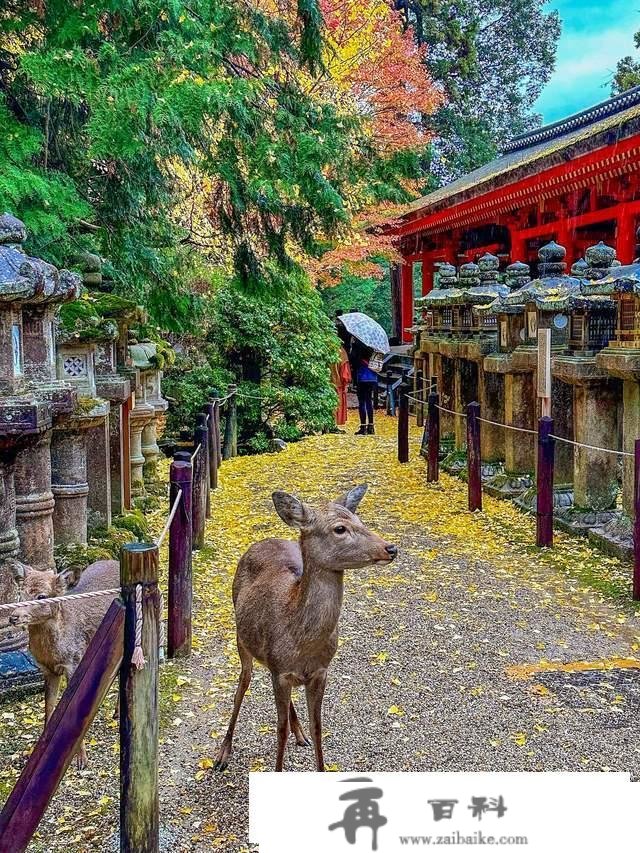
column 69, row 473
column 106, row 452
column 519, row 447
column 491, row 394
column 630, row 432
column 141, row 416
column 35, row 504
column 595, row 477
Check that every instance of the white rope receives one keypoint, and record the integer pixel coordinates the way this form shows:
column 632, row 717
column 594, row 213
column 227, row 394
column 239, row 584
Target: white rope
column 62, row 598
column 170, row 519
column 195, row 452
column 451, row 412
column 137, row 658
column 508, row 426
column 592, row 447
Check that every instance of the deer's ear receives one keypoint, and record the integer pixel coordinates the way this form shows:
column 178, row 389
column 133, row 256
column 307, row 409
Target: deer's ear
column 352, row 498
column 291, row 510
column 63, row 581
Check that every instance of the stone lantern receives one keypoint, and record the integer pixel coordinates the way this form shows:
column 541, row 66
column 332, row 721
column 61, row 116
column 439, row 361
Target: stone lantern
column 621, row 359
column 595, row 394
column 76, row 365
column 34, row 496
column 147, row 416
column 513, row 388
column 439, row 303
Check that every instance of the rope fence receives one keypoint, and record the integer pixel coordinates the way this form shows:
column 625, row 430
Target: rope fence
column 543, row 461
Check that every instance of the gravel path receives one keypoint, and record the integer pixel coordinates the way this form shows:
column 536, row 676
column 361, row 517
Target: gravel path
column 473, row 651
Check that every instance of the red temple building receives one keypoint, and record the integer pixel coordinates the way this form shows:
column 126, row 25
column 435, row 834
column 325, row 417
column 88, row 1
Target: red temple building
column 576, row 181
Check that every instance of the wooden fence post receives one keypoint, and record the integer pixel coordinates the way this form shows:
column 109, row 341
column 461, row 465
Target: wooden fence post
column 544, row 483
column 231, row 426
column 403, row 423
column 139, row 829
column 209, row 410
column 63, row 734
column 419, row 396
column 433, row 415
column 474, row 479
column 201, row 436
column 180, row 571
column 636, row 522
column 216, row 402
column 199, row 499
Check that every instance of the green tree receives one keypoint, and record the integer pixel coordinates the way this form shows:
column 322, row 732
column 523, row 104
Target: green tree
column 370, row 295
column 112, row 111
column 279, row 349
column 492, row 62
column 627, row 74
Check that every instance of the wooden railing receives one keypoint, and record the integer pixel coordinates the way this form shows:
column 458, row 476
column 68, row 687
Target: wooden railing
column 127, row 643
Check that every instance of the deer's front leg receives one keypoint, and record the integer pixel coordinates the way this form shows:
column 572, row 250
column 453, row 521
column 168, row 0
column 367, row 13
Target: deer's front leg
column 282, row 693
column 315, row 695
column 51, row 689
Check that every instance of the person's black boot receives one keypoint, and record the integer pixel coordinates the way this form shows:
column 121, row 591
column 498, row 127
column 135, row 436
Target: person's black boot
column 362, row 430
column 371, row 430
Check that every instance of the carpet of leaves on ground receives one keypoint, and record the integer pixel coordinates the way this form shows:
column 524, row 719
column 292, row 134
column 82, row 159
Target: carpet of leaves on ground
column 474, row 650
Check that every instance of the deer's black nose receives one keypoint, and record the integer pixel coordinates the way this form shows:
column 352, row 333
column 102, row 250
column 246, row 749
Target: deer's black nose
column 392, row 550
column 13, row 620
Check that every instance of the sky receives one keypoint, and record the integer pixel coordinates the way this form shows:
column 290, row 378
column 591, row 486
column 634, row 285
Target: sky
column 595, row 35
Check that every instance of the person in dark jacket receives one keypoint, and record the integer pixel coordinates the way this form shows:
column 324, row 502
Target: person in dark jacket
column 366, row 380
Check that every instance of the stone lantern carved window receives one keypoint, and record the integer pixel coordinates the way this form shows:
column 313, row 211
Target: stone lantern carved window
column 74, row 366
column 627, row 313
column 16, row 346
column 577, row 330
column 447, row 317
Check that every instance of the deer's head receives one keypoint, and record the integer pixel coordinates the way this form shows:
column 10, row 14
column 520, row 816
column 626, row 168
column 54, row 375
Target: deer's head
column 43, row 587
column 332, row 536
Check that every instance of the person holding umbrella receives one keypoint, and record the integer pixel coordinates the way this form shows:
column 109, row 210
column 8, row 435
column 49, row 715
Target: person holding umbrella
column 370, row 343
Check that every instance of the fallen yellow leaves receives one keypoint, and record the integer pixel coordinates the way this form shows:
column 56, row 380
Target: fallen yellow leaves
column 525, row 670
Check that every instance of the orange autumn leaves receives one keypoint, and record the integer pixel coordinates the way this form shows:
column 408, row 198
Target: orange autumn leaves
column 373, row 68
column 369, row 56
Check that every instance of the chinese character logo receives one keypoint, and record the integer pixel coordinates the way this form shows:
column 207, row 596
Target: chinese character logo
column 482, row 805
column 442, row 809
column 364, row 811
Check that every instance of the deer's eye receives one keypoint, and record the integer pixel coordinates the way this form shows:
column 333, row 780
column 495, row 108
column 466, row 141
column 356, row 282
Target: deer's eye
column 340, row 529
column 42, row 595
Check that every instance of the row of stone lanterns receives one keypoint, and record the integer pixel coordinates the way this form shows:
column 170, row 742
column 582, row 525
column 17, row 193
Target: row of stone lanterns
column 593, row 314
column 68, row 393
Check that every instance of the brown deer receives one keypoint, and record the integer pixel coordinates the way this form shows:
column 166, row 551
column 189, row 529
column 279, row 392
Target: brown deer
column 59, row 631
column 287, row 598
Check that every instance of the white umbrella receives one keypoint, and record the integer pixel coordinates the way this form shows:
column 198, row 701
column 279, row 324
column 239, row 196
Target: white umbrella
column 366, row 330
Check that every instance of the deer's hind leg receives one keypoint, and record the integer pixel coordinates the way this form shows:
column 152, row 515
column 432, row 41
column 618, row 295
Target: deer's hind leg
column 296, row 728
column 246, row 660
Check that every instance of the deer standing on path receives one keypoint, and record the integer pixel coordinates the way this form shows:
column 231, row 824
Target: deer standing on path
column 287, row 598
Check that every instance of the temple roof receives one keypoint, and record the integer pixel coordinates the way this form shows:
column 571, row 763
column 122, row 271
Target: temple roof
column 540, row 148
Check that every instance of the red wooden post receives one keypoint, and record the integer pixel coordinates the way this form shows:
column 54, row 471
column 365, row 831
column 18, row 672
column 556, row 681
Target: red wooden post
column 60, row 740
column 209, row 410
column 199, row 499
column 433, row 415
column 180, row 577
column 544, row 483
column 218, row 434
column 636, row 523
column 202, row 436
column 403, row 423
column 473, row 457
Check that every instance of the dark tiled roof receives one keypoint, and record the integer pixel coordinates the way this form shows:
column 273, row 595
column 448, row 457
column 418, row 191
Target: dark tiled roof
column 535, row 146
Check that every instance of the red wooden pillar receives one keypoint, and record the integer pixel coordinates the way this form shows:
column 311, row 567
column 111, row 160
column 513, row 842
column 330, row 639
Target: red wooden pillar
column 406, row 300
column 625, row 237
column 517, row 247
column 427, row 273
